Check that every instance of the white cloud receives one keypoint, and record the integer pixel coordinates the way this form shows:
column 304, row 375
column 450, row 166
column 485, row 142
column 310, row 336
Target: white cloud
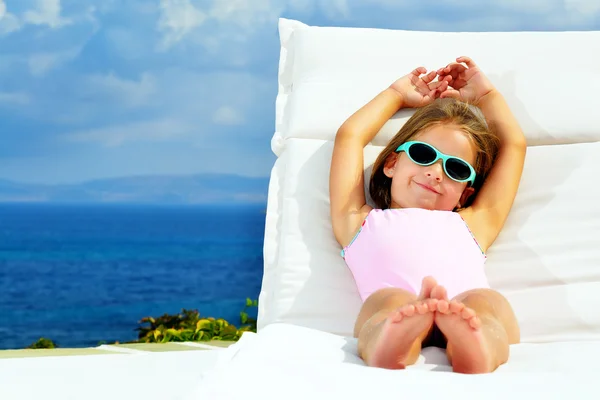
column 8, row 22
column 583, row 6
column 570, row 11
column 14, row 98
column 237, row 18
column 41, row 63
column 246, row 13
column 228, row 116
column 304, row 6
column 336, row 8
column 165, row 129
column 177, row 19
column 128, row 92
column 46, row 13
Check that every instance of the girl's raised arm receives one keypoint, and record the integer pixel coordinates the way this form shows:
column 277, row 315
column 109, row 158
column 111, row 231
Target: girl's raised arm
column 495, row 198
column 490, row 208
column 346, row 180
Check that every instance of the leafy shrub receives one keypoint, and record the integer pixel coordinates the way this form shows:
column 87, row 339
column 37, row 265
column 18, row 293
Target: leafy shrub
column 42, row 343
column 188, row 326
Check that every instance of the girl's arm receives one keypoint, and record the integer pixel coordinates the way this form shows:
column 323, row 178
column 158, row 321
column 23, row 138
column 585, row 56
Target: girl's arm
column 487, row 214
column 346, row 179
column 495, row 199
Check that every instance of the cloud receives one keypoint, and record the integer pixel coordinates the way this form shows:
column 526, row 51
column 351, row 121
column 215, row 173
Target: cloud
column 131, row 93
column 232, row 20
column 177, row 19
column 228, row 116
column 335, row 8
column 516, row 14
column 40, row 63
column 46, row 13
column 8, row 22
column 246, row 13
column 164, row 129
column 583, row 6
column 14, row 98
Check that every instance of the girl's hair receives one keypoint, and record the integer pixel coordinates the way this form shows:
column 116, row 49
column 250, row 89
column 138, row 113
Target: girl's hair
column 442, row 111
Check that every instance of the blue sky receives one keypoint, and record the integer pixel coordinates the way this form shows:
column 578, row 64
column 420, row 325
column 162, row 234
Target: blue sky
column 106, row 88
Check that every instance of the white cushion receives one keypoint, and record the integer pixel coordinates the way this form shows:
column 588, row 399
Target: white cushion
column 326, row 74
column 546, row 260
column 289, row 362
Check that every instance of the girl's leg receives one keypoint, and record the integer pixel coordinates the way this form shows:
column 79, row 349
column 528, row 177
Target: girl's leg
column 479, row 326
column 392, row 324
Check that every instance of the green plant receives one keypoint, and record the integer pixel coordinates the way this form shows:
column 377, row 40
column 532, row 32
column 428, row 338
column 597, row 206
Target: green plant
column 244, row 318
column 188, row 326
column 42, row 343
column 183, row 327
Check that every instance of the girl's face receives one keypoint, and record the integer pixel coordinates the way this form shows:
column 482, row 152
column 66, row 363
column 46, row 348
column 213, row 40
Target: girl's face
column 416, row 186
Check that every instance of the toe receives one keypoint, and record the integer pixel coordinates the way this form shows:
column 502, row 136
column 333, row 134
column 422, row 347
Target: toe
column 475, row 323
column 396, row 316
column 408, row 310
column 426, row 286
column 443, row 307
column 456, row 307
column 432, row 304
column 439, row 292
column 422, row 308
column 467, row 313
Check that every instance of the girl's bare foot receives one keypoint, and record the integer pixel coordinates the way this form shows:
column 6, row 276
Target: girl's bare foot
column 471, row 343
column 439, row 292
column 427, row 285
column 395, row 342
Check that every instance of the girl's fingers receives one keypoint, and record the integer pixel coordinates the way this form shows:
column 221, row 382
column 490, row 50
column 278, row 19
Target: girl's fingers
column 450, row 93
column 439, row 85
column 429, row 77
column 419, row 70
column 464, row 59
column 457, row 68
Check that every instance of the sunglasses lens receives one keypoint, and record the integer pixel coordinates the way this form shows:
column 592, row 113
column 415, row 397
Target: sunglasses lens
column 421, row 153
column 457, row 169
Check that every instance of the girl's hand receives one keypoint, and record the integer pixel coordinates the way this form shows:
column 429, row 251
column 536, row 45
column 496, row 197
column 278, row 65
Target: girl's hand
column 466, row 83
column 417, row 91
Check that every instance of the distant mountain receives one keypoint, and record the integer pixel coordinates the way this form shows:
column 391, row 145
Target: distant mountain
column 153, row 189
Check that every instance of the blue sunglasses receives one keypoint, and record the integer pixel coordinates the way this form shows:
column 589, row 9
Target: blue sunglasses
column 425, row 154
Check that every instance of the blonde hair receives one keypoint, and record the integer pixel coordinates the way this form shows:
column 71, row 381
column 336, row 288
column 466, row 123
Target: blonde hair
column 442, row 111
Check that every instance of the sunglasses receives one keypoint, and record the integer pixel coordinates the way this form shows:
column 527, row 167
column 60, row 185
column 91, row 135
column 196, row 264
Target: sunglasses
column 425, row 154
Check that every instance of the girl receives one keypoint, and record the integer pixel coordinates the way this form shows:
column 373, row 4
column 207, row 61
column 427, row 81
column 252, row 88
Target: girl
column 443, row 186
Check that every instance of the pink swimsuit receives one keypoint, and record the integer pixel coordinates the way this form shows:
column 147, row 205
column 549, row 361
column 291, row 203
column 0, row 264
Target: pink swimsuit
column 399, row 247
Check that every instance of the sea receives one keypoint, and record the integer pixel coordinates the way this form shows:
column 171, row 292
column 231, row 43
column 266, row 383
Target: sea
column 81, row 275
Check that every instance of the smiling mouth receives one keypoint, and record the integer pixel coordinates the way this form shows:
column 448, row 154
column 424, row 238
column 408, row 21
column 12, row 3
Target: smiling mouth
column 428, row 188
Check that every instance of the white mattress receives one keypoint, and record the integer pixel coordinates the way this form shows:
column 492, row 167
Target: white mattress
column 289, row 362
column 169, row 375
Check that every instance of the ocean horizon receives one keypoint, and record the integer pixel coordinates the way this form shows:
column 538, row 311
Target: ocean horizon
column 81, row 274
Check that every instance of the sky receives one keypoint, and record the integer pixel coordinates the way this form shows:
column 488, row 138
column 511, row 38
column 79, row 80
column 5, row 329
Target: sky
column 95, row 89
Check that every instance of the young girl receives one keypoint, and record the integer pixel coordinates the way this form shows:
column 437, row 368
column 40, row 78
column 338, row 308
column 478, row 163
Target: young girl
column 443, row 186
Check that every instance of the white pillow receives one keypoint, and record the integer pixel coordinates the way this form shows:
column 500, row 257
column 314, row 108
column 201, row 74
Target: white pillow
column 546, row 261
column 326, row 74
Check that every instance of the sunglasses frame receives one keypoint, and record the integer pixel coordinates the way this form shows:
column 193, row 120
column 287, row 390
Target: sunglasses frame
column 438, row 155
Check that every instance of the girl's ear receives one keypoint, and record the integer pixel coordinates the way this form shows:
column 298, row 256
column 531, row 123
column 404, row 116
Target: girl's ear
column 390, row 165
column 468, row 192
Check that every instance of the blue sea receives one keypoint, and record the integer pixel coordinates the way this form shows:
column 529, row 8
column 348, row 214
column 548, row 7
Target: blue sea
column 82, row 274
